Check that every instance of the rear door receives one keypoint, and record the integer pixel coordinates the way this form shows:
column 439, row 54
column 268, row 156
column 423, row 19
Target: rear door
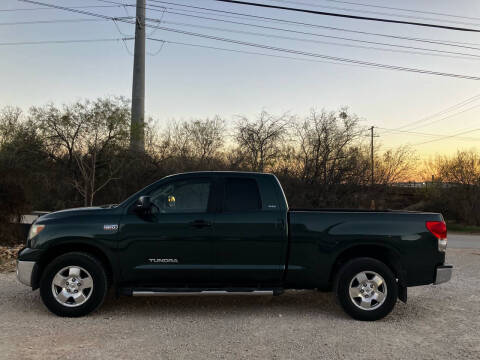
column 250, row 235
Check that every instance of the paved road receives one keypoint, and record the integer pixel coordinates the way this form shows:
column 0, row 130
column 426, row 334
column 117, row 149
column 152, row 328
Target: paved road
column 438, row 322
column 462, row 241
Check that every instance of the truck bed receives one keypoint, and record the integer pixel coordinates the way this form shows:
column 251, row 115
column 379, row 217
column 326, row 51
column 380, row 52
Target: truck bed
column 319, row 236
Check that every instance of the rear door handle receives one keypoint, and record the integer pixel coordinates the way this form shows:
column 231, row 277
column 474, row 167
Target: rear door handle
column 200, row 224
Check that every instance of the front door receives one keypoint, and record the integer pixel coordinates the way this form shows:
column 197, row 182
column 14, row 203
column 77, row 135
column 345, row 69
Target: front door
column 172, row 245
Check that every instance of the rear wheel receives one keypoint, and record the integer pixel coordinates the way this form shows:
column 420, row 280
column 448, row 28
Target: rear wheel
column 366, row 289
column 73, row 285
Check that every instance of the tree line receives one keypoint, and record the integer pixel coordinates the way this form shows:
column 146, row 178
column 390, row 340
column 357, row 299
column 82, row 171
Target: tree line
column 54, row 157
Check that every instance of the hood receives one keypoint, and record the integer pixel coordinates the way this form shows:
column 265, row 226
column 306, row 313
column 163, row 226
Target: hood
column 75, row 211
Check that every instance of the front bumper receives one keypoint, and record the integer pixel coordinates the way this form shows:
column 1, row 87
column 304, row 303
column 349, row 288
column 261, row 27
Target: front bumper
column 27, row 266
column 443, row 274
column 25, row 271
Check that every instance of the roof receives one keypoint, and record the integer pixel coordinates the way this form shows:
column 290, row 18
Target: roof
column 211, row 173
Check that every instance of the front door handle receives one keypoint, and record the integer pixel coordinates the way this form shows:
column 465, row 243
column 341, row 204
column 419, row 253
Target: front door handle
column 200, row 224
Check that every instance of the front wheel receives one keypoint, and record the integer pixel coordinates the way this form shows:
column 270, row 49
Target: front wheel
column 366, row 289
column 73, row 285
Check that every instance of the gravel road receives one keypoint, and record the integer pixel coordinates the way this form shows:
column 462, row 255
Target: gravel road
column 438, row 322
column 463, row 241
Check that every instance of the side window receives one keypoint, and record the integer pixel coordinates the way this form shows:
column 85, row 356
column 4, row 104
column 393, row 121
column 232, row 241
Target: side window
column 241, row 194
column 183, row 196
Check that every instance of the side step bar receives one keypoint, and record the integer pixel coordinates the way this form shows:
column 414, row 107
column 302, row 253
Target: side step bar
column 197, row 291
column 204, row 292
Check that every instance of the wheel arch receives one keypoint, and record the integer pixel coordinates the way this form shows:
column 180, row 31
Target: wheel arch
column 385, row 254
column 75, row 246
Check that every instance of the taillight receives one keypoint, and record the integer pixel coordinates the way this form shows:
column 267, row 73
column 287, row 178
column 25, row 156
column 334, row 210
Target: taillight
column 439, row 230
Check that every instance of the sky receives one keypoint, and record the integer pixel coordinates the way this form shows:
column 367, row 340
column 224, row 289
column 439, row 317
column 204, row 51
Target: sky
column 184, row 82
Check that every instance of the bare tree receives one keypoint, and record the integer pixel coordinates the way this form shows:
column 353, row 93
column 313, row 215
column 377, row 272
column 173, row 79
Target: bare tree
column 74, row 152
column 326, row 142
column 259, row 140
column 99, row 149
column 10, row 122
column 463, row 168
column 394, row 165
column 457, row 190
column 207, row 137
column 60, row 128
column 179, row 138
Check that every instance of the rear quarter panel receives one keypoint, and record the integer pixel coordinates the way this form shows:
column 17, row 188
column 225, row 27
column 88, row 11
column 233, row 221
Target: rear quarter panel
column 318, row 238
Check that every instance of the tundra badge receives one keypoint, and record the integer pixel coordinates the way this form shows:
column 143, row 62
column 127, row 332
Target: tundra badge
column 174, row 261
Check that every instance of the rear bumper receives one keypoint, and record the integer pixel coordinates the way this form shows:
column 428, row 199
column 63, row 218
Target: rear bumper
column 25, row 271
column 443, row 274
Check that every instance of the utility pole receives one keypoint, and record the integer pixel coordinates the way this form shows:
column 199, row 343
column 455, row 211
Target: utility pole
column 137, row 131
column 372, row 161
column 371, row 154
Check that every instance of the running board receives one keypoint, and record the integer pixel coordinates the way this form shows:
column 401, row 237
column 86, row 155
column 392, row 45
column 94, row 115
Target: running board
column 195, row 292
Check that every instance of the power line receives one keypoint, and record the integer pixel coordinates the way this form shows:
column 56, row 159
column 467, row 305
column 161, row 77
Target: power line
column 375, row 12
column 119, row 30
column 126, row 47
column 425, row 134
column 447, row 117
column 462, row 55
column 392, row 8
column 335, row 58
column 444, row 111
column 321, row 35
column 125, row 5
column 348, row 16
column 159, row 22
column 43, row 42
column 50, row 21
column 436, row 52
column 273, row 48
column 297, row 23
column 447, row 137
column 256, row 53
column 117, row 3
column 73, row 7
column 73, row 10
column 253, row 53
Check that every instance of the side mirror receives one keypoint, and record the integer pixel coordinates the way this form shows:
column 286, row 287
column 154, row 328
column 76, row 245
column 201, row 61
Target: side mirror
column 144, row 204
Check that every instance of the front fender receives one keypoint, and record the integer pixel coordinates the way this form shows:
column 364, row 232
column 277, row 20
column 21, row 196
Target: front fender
column 61, row 246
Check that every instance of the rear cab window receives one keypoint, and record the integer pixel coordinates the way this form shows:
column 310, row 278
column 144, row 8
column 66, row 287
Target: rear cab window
column 241, row 194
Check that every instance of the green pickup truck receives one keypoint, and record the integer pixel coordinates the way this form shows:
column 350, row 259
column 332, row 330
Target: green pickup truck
column 230, row 233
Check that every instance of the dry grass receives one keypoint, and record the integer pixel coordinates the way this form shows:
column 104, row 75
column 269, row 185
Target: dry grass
column 8, row 257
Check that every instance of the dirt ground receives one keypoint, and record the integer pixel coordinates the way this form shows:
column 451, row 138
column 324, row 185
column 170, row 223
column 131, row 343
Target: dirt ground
column 438, row 322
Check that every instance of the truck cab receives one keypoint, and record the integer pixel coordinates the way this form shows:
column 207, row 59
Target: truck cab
column 207, row 230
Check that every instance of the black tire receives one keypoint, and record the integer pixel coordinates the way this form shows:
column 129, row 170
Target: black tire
column 91, row 267
column 353, row 306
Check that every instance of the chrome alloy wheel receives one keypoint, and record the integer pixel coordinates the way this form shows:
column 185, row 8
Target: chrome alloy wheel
column 368, row 290
column 72, row 286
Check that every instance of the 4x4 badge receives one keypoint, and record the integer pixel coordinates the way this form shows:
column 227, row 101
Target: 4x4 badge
column 110, row 227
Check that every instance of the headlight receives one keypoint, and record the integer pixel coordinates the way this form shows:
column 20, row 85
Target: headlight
column 35, row 230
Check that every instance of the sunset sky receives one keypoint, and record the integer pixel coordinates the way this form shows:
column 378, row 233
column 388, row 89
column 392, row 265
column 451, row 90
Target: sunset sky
column 186, row 81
